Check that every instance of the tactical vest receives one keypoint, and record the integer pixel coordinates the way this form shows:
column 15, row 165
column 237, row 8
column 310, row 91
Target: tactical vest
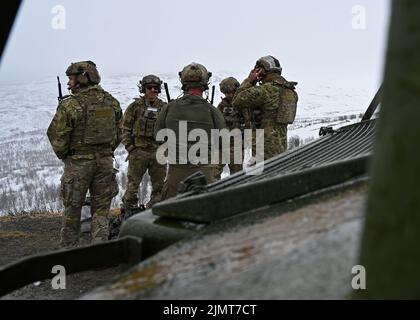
column 98, row 126
column 286, row 114
column 266, row 113
column 144, row 122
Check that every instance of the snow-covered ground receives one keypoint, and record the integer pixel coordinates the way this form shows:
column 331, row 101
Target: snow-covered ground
column 30, row 172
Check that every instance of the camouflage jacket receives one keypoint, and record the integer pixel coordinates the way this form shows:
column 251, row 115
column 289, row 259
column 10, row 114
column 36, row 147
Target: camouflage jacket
column 233, row 117
column 264, row 99
column 139, row 124
column 71, row 132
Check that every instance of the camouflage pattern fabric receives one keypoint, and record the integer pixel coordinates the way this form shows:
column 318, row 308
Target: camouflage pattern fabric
column 235, row 119
column 138, row 127
column 194, row 75
column 86, row 72
column 229, row 85
column 138, row 138
column 80, row 176
column 287, row 113
column 87, row 166
column 68, row 130
column 199, row 114
column 141, row 160
column 266, row 99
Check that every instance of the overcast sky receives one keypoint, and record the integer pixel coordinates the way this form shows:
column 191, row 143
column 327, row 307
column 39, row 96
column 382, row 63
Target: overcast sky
column 312, row 39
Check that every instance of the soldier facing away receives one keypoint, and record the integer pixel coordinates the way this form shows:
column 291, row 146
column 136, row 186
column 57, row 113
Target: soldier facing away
column 84, row 133
column 235, row 119
column 272, row 104
column 138, row 138
column 198, row 114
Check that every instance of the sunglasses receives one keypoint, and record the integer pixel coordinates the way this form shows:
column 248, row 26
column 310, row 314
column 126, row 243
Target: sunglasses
column 152, row 88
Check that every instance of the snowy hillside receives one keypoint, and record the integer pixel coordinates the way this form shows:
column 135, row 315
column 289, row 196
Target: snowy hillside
column 30, row 172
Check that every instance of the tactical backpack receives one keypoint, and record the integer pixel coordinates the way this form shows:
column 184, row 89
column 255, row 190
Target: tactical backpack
column 99, row 121
column 287, row 112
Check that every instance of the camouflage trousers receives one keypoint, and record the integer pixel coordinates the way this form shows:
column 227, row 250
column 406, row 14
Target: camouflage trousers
column 139, row 162
column 178, row 173
column 79, row 176
column 275, row 140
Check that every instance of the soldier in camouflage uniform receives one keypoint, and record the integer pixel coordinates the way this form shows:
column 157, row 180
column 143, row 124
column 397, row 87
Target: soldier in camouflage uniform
column 84, row 134
column 199, row 114
column 272, row 104
column 138, row 138
column 234, row 118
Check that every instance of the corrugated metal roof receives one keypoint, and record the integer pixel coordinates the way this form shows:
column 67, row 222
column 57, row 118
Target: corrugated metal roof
column 334, row 158
column 345, row 143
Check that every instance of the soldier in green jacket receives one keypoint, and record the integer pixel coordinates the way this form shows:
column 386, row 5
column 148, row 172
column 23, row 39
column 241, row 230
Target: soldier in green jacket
column 272, row 104
column 138, row 138
column 198, row 114
column 84, row 133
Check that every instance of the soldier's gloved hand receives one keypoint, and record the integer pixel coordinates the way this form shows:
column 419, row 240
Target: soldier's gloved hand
column 255, row 75
column 61, row 156
column 130, row 148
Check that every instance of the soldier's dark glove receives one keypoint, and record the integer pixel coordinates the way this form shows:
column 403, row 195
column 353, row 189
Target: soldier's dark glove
column 61, row 156
column 255, row 75
column 130, row 148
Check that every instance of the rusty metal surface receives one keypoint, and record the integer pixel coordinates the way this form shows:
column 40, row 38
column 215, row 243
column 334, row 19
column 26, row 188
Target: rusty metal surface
column 288, row 251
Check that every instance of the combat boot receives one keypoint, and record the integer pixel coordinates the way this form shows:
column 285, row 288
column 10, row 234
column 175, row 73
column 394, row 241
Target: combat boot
column 127, row 210
column 68, row 238
column 99, row 228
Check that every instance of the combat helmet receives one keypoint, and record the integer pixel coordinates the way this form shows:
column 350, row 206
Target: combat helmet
column 150, row 79
column 229, row 84
column 195, row 75
column 269, row 64
column 86, row 72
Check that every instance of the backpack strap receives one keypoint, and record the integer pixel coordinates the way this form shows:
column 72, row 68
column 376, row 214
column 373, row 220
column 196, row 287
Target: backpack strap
column 83, row 105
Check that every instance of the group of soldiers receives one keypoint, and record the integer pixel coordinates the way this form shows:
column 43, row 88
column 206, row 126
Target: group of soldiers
column 89, row 125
